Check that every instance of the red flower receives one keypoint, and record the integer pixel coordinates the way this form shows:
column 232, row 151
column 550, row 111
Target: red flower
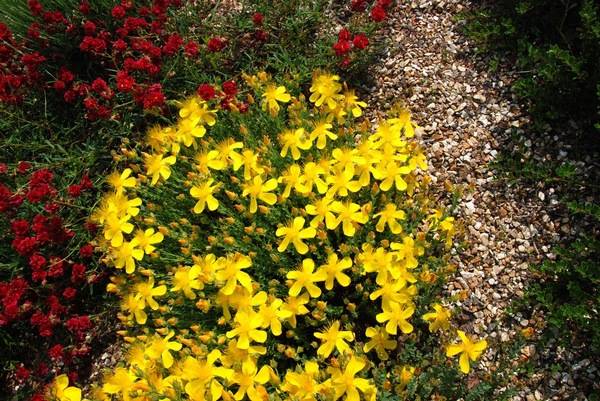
column 191, row 49
column 360, row 41
column 69, row 293
column 174, row 43
column 84, row 7
column 74, row 190
column 153, row 97
column 230, row 88
column 125, row 82
column 378, row 14
column 358, row 5
column 118, row 12
column 89, row 27
column 56, row 268
column 119, row 45
column 51, row 207
column 59, row 86
column 34, row 31
column 86, row 183
column 77, row 272
column 341, row 47
column 23, row 167
column 384, row 3
column 344, row 34
column 56, row 352
column 3, row 168
column 35, row 7
column 19, row 227
column 92, row 45
column 206, row 91
column 99, row 85
column 22, row 373
column 79, row 325
column 37, row 261
column 258, row 19
column 25, row 246
column 216, row 44
column 261, row 35
column 86, row 251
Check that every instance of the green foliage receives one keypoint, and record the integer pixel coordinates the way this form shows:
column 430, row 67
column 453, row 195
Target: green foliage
column 570, row 293
column 556, row 47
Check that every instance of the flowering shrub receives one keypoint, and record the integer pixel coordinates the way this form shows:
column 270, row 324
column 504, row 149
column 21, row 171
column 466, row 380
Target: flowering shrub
column 293, row 253
column 47, row 270
column 103, row 60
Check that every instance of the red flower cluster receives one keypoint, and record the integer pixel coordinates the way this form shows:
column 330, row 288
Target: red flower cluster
column 43, row 295
column 348, row 43
column 130, row 40
column 378, row 11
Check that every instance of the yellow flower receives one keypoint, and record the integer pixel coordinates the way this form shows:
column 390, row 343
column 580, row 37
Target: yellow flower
column 390, row 216
column 396, row 316
column 270, row 315
column 127, row 254
column 341, row 182
column 231, row 273
column 259, row 189
column 247, row 325
column 188, row 129
column 321, row 209
column 147, row 238
column 303, row 384
column 402, row 123
column 201, row 375
column 349, row 214
column 408, row 251
column 249, row 160
column 325, row 90
column 352, row 103
column 135, row 305
column 305, row 277
column 248, row 379
column 311, row 176
column 161, row 348
column 334, row 270
column 158, row 166
column 272, row 95
column 204, row 193
column 62, row 392
column 294, row 306
column 122, row 381
column 295, row 233
column 438, row 320
column 120, row 181
column 406, row 375
column 206, row 160
column 468, row 349
column 345, row 383
column 114, row 228
column 147, row 291
column 226, row 150
column 389, row 174
column 293, row 140
column 380, row 341
column 187, row 279
column 291, row 177
column 333, row 338
column 321, row 133
column 393, row 292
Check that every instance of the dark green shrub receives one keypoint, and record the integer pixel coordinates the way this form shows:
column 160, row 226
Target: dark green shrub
column 556, row 48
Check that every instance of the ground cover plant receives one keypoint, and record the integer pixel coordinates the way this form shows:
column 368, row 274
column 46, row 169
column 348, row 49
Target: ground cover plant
column 77, row 77
column 48, row 276
column 278, row 250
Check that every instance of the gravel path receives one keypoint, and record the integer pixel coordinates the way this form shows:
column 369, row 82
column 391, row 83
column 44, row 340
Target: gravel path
column 467, row 114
